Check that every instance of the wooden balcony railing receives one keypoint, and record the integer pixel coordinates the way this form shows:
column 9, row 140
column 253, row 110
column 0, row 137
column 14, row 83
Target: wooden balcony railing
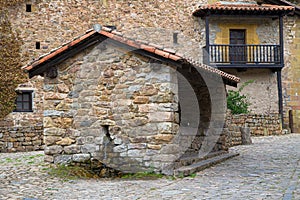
column 244, row 55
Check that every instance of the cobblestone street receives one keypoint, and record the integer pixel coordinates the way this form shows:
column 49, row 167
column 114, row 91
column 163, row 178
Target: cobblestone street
column 268, row 169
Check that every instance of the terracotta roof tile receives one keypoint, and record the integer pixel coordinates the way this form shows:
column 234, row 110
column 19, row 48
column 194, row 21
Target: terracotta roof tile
column 134, row 44
column 142, row 41
column 174, row 57
column 148, row 48
column 286, row 3
column 172, row 51
column 117, row 36
column 157, row 46
column 241, row 8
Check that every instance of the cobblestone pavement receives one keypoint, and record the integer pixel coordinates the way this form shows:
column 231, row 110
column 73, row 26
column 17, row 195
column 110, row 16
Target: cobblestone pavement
column 268, row 169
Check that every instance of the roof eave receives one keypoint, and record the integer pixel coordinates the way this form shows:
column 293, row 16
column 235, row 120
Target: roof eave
column 228, row 11
column 286, row 3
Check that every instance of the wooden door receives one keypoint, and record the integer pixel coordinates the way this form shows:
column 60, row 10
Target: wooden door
column 237, row 49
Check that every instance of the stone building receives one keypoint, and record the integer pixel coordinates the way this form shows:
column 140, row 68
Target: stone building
column 236, row 42
column 291, row 72
column 129, row 104
column 46, row 24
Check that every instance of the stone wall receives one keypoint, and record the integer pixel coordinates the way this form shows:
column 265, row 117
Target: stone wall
column 23, row 131
column 291, row 72
column 16, row 139
column 122, row 110
column 54, row 22
column 113, row 107
column 262, row 93
column 259, row 124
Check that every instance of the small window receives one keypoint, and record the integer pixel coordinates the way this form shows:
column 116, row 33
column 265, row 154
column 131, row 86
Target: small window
column 38, row 45
column 28, row 7
column 24, row 101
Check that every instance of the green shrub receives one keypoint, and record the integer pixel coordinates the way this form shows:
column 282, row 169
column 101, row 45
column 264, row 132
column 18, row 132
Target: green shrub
column 237, row 102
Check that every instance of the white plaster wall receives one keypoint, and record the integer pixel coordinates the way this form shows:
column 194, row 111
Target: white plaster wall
column 262, row 93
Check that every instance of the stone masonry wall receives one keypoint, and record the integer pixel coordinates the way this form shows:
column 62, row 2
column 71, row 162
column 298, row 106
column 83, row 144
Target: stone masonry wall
column 23, row 131
column 259, row 124
column 262, row 93
column 291, row 72
column 113, row 107
column 54, row 22
column 122, row 110
column 16, row 139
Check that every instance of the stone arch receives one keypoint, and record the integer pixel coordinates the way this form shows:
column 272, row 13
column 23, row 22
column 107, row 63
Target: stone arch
column 201, row 90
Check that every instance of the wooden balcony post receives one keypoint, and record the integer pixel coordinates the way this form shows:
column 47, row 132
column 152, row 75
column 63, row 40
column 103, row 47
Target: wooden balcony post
column 280, row 104
column 207, row 39
column 281, row 41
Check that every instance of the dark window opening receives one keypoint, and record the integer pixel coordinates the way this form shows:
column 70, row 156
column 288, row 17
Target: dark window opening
column 28, row 8
column 38, row 45
column 24, row 101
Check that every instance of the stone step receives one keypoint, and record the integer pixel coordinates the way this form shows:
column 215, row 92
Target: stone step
column 201, row 165
column 190, row 159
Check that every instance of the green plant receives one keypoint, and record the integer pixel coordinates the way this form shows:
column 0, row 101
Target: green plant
column 193, row 175
column 142, row 175
column 68, row 172
column 237, row 102
column 180, row 175
column 10, row 60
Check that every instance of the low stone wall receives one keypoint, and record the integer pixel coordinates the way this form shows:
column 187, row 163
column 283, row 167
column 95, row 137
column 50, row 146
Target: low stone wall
column 259, row 124
column 16, row 139
column 23, row 131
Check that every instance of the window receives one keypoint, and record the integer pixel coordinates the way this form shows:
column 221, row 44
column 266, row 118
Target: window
column 28, row 8
column 24, row 101
column 37, row 45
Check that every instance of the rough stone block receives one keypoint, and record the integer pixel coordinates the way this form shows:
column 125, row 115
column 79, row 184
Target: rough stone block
column 65, row 141
column 135, row 153
column 81, row 158
column 141, row 100
column 37, row 142
column 154, row 146
column 51, row 113
column 62, row 88
column 51, row 150
column 168, row 128
column 137, row 146
column 120, row 148
column 54, row 131
column 50, row 140
column 89, row 148
column 163, row 137
column 62, row 159
column 49, row 158
column 161, row 117
column 72, row 149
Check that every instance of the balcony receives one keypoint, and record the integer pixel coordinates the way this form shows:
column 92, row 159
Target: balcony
column 244, row 56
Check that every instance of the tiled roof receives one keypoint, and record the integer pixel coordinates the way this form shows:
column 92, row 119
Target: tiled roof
column 158, row 50
column 233, row 8
column 286, row 3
